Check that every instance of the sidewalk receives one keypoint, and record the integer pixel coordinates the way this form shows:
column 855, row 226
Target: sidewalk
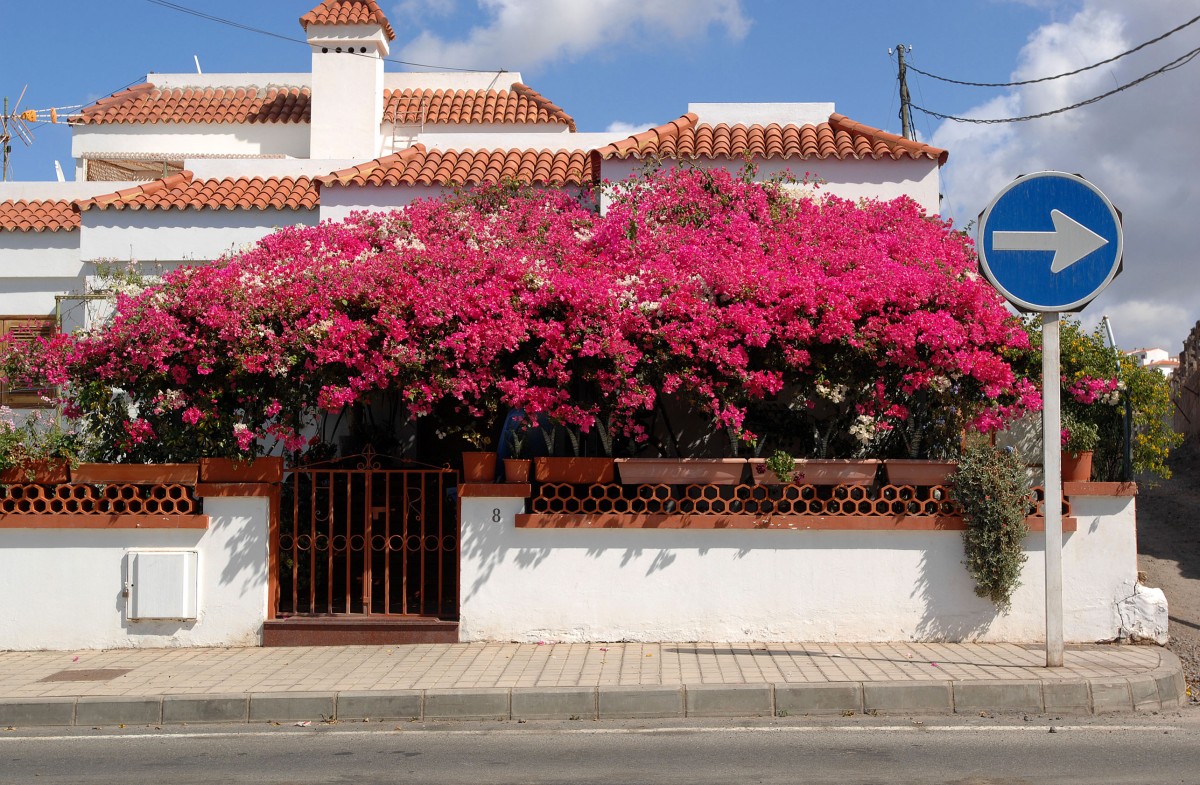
column 473, row 681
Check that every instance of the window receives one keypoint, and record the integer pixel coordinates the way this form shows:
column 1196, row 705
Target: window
column 26, row 328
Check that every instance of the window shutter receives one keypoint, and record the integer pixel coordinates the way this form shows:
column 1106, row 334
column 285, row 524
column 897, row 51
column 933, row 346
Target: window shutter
column 24, row 329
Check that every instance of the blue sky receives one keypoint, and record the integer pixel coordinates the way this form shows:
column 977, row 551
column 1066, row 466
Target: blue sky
column 637, row 62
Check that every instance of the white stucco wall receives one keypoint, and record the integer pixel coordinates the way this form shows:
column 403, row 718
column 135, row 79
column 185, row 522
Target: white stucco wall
column 62, row 588
column 850, row 179
column 179, row 235
column 35, row 266
column 726, row 585
column 182, row 139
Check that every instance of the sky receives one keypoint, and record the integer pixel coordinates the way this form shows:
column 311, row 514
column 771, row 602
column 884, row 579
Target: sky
column 624, row 65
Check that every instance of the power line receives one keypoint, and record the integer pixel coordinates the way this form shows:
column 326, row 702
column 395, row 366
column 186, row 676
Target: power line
column 1178, row 62
column 1113, row 59
column 231, row 23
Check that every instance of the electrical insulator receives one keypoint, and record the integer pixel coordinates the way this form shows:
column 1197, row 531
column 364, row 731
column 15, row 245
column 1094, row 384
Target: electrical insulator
column 54, row 115
column 29, row 115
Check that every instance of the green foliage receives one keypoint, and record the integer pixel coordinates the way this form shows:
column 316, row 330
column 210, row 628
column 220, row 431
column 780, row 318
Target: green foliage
column 1087, row 356
column 993, row 493
column 1079, row 434
column 783, row 465
column 39, row 436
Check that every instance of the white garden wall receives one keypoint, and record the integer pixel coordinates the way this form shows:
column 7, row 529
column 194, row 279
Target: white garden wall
column 775, row 585
column 63, row 588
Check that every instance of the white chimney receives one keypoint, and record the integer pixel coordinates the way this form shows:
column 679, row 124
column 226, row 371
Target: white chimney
column 347, row 90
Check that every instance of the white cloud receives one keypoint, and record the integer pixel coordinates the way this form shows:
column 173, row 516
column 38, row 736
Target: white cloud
column 620, row 128
column 1137, row 146
column 528, row 33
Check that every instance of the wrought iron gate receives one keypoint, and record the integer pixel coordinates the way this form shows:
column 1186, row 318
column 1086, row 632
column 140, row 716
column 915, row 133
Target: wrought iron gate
column 358, row 539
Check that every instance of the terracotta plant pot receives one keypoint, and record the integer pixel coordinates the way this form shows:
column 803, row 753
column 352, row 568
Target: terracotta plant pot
column 137, row 473
column 262, row 469
column 679, row 471
column 579, row 471
column 1077, row 467
column 479, row 466
column 918, row 472
column 820, row 471
column 41, row 472
column 517, row 469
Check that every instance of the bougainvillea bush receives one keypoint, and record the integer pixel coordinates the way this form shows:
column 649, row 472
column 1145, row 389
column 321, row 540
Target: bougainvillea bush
column 864, row 322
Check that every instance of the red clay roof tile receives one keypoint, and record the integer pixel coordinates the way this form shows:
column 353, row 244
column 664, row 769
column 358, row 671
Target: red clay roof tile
column 146, row 103
column 839, row 138
column 37, row 215
column 516, row 106
column 419, row 166
column 182, row 191
column 348, row 12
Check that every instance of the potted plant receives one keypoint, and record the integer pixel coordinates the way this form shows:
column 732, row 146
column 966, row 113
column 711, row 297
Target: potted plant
column 1079, row 440
column 516, row 468
column 782, row 468
column 38, row 450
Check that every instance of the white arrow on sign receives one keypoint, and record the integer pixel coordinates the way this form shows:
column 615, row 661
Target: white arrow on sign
column 1070, row 241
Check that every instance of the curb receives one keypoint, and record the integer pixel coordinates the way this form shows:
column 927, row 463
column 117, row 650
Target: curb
column 1160, row 689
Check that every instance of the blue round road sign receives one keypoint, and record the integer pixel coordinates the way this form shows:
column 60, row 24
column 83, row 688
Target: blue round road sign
column 1050, row 241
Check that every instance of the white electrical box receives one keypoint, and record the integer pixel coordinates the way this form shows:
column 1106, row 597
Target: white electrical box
column 162, row 585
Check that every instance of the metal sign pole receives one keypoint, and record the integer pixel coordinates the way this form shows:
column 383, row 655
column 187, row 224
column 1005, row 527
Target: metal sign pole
column 1052, row 466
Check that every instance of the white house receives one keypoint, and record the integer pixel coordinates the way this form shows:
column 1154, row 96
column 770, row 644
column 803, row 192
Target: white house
column 186, row 167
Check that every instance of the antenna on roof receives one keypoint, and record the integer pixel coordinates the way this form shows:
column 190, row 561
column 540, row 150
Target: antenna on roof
column 197, row 59
column 16, row 123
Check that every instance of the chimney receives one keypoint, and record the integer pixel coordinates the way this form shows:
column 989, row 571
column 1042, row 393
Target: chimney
column 349, row 39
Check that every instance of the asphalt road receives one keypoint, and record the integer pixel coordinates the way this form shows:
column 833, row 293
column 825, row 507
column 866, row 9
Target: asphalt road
column 971, row 751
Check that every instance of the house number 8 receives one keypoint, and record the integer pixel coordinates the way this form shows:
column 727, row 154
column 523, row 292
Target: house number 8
column 495, row 515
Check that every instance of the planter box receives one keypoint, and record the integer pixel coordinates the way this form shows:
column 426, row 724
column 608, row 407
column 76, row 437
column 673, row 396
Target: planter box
column 46, row 472
column 137, row 473
column 918, row 472
column 820, row 471
column 679, row 471
column 579, row 471
column 264, row 469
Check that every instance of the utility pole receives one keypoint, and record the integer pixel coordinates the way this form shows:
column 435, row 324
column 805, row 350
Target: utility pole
column 905, row 115
column 5, row 140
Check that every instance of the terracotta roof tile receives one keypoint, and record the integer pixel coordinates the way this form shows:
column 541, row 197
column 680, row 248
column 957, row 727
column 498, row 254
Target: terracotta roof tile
column 182, row 191
column 146, row 103
column 36, row 215
column 839, row 138
column 419, row 166
column 348, row 12
column 518, row 105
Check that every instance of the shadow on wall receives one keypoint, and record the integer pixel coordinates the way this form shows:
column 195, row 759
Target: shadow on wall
column 940, row 592
column 245, row 551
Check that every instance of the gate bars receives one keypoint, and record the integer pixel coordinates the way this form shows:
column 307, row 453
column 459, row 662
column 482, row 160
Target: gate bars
column 368, row 541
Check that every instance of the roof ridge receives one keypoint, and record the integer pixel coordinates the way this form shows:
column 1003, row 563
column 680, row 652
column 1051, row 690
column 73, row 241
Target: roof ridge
column 124, row 196
column 345, row 176
column 520, row 88
column 914, row 148
column 635, row 143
